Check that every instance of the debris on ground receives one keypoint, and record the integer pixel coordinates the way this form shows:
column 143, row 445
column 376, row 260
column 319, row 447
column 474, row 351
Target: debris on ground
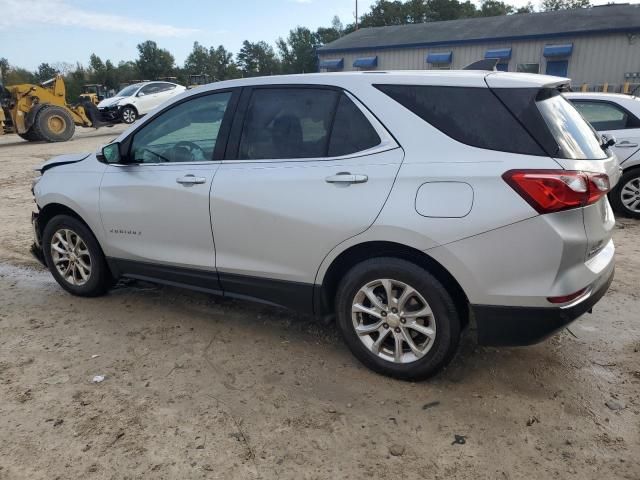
column 98, row 379
column 429, row 405
column 613, row 405
column 459, row 439
column 396, row 450
column 532, row 419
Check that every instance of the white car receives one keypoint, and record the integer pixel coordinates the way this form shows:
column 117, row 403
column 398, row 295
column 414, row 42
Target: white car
column 137, row 100
column 617, row 115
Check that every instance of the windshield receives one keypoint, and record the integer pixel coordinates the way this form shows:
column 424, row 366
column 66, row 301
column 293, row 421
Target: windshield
column 128, row 91
column 576, row 138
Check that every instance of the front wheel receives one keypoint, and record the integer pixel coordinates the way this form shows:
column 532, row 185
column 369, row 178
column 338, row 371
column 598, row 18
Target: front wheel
column 74, row 257
column 397, row 318
column 129, row 115
column 625, row 198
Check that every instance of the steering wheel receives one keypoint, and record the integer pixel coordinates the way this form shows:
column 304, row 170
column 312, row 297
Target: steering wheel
column 192, row 147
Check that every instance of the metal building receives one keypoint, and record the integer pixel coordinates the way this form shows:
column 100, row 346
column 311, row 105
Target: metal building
column 598, row 48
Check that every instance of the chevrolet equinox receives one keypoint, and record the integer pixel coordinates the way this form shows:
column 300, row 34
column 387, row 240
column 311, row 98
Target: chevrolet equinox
column 403, row 204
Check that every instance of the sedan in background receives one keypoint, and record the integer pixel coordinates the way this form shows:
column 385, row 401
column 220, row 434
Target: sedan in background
column 137, row 100
column 617, row 115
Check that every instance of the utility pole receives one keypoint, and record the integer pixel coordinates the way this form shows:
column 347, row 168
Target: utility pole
column 356, row 14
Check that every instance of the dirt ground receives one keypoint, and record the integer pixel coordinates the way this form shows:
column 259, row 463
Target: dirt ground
column 198, row 387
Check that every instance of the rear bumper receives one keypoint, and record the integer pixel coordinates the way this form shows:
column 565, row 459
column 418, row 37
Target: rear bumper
column 513, row 326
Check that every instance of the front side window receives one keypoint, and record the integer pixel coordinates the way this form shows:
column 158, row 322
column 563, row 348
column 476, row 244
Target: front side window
column 575, row 137
column 186, row 133
column 604, row 115
column 151, row 88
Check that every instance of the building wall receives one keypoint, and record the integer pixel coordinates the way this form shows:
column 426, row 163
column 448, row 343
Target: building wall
column 594, row 60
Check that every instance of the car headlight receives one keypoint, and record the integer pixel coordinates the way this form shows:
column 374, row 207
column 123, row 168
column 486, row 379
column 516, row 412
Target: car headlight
column 34, row 182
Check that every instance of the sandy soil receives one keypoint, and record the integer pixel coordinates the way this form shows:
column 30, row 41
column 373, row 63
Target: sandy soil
column 198, row 387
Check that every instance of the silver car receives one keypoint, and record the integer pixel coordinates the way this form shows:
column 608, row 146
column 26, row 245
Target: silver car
column 404, row 205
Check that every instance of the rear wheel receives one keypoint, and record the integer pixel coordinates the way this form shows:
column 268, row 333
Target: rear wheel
column 397, row 319
column 74, row 257
column 129, row 114
column 625, row 198
column 54, row 124
column 30, row 136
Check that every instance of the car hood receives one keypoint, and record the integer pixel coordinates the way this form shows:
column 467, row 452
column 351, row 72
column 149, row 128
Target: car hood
column 109, row 102
column 62, row 160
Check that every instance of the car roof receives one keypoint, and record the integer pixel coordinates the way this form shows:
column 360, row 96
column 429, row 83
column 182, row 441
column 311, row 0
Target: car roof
column 466, row 78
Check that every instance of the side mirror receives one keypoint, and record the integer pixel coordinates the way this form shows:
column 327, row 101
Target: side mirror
column 608, row 141
column 110, row 153
column 140, row 94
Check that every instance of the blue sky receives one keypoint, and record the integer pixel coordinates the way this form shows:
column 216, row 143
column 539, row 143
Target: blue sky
column 35, row 31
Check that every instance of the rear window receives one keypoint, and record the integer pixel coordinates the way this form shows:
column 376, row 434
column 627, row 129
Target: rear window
column 471, row 115
column 576, row 139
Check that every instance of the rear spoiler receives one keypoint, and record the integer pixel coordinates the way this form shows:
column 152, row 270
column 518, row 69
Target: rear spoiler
column 487, row 64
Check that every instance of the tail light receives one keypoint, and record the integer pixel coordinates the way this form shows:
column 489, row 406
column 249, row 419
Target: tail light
column 550, row 191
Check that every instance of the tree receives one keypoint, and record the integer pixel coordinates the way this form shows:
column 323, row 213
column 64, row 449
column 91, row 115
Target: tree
column 553, row 5
column 383, row 13
column 154, row 62
column 326, row 35
column 495, row 8
column 217, row 62
column 298, row 52
column 45, row 72
column 4, row 69
column 257, row 59
column 528, row 8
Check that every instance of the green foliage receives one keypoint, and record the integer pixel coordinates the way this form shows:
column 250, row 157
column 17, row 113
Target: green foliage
column 298, row 52
column 552, row 5
column 154, row 62
column 45, row 72
column 217, row 62
column 259, row 58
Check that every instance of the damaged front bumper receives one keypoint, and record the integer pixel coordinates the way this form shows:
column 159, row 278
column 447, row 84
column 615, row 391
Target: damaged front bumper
column 36, row 247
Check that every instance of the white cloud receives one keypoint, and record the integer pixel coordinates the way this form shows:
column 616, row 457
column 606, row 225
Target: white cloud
column 59, row 13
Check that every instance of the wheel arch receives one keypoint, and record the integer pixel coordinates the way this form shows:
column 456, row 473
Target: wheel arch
column 324, row 295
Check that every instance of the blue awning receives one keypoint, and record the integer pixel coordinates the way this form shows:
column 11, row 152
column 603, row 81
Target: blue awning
column 442, row 57
column 334, row 63
column 366, row 62
column 558, row 50
column 500, row 53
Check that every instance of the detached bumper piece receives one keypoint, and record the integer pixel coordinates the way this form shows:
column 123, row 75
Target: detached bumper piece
column 109, row 114
column 515, row 326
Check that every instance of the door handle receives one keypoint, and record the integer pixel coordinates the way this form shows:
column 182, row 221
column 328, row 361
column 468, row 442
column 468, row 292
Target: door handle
column 626, row 144
column 190, row 180
column 346, row 177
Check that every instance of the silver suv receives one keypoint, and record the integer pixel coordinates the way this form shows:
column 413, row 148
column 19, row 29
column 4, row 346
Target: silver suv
column 403, row 204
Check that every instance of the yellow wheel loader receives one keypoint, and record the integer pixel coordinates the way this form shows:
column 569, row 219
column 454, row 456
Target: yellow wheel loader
column 40, row 112
column 93, row 92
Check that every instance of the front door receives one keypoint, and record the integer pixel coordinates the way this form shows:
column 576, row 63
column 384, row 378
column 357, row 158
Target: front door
column 613, row 120
column 301, row 180
column 155, row 207
column 557, row 68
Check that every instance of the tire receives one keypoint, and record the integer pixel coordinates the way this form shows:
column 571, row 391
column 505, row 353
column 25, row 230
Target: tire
column 30, row 136
column 625, row 197
column 129, row 114
column 444, row 323
column 63, row 228
column 54, row 124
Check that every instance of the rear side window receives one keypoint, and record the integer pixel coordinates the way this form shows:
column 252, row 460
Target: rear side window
column 351, row 131
column 605, row 115
column 470, row 115
column 283, row 123
column 575, row 137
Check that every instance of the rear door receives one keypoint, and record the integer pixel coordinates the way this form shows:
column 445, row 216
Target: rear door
column 613, row 119
column 306, row 169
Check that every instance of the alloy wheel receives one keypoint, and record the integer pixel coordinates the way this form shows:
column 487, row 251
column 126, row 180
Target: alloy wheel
column 393, row 320
column 71, row 257
column 128, row 115
column 630, row 195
